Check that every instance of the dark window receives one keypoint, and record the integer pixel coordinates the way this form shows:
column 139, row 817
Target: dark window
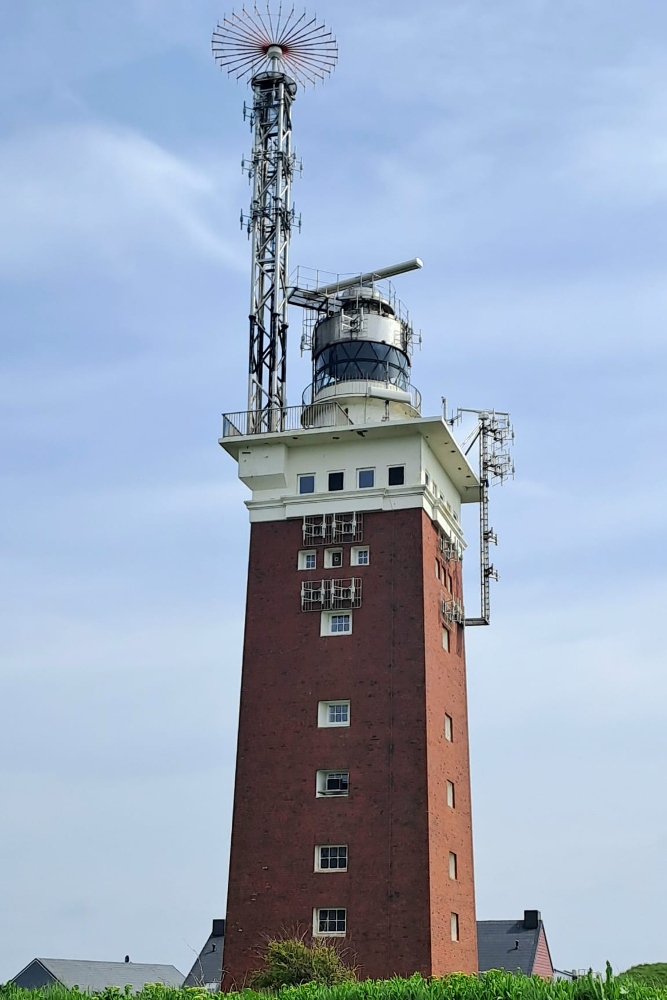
column 337, row 783
column 331, row 921
column 335, row 481
column 333, row 857
column 396, row 475
column 366, row 478
column 306, row 484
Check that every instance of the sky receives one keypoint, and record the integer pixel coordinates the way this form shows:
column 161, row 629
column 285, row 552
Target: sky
column 520, row 149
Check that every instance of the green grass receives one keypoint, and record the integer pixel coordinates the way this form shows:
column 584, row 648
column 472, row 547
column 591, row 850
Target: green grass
column 490, row 986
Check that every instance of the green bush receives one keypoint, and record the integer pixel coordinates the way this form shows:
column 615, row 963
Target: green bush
column 654, row 974
column 294, row 961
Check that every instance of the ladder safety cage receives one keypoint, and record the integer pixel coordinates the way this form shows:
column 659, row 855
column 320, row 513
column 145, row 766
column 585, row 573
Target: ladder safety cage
column 331, row 595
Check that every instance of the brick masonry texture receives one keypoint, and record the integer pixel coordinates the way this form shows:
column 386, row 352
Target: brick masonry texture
column 398, row 828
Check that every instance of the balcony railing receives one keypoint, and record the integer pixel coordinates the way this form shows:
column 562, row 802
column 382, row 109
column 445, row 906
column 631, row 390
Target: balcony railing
column 286, row 418
column 350, row 385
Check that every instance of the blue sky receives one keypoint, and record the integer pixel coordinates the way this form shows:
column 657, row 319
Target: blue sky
column 519, row 148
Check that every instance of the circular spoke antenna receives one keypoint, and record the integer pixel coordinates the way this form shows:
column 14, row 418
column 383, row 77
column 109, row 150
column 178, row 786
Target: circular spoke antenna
column 253, row 41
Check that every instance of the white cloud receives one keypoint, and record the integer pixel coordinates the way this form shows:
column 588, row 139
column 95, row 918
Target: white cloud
column 78, row 191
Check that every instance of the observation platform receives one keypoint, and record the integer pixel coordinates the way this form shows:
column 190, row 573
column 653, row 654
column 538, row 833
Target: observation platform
column 327, row 424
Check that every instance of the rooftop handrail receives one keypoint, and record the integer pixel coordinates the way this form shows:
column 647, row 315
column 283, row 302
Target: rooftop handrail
column 243, row 423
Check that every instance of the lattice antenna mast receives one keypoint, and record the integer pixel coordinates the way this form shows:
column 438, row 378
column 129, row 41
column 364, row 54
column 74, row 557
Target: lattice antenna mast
column 275, row 52
column 494, row 437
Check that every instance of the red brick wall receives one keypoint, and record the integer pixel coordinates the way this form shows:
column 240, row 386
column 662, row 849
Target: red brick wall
column 397, row 890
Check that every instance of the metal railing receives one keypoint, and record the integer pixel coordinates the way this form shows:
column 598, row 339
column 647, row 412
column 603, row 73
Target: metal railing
column 285, row 418
column 356, row 385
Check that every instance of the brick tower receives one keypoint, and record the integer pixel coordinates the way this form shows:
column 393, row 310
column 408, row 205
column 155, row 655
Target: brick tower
column 352, row 814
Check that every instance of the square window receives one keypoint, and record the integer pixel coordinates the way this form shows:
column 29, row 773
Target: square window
column 331, row 858
column 454, row 923
column 307, row 484
column 448, row 727
column 452, row 865
column 333, row 558
column 335, row 481
column 450, row 794
column 333, row 713
column 332, row 783
column 329, row 922
column 365, row 478
column 340, row 623
column 396, row 475
column 360, row 555
column 307, row 559
column 336, row 623
column 445, row 639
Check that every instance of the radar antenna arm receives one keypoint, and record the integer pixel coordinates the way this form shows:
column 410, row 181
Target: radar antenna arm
column 370, row 276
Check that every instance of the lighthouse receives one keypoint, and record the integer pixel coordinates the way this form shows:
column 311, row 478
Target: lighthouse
column 352, row 807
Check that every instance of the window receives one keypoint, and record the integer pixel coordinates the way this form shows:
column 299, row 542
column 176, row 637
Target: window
column 450, row 794
column 365, row 478
column 427, row 480
column 449, row 583
column 454, row 923
column 360, row 555
column 330, row 783
column 335, row 623
column 306, row 484
column 307, row 559
column 448, row 727
column 452, row 865
column 437, row 569
column 329, row 923
column 333, row 713
column 335, row 481
column 396, row 475
column 445, row 639
column 331, row 859
column 333, row 558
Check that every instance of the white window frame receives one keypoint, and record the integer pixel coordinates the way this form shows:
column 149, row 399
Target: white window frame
column 305, row 475
column 323, row 714
column 321, row 783
column 359, row 486
column 326, row 623
column 453, row 926
column 303, row 556
column 328, row 557
column 453, row 866
column 318, row 858
column 354, row 555
column 316, row 922
column 450, row 794
column 336, row 472
column 449, row 728
column 399, row 466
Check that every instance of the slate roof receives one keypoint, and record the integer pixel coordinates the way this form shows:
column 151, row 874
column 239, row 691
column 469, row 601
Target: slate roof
column 207, row 967
column 96, row 976
column 507, row 944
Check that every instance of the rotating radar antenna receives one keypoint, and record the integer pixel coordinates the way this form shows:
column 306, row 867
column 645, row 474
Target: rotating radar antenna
column 275, row 52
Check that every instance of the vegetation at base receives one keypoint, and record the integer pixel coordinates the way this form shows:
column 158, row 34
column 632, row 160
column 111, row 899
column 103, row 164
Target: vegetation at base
column 298, row 960
column 654, row 974
column 489, row 986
